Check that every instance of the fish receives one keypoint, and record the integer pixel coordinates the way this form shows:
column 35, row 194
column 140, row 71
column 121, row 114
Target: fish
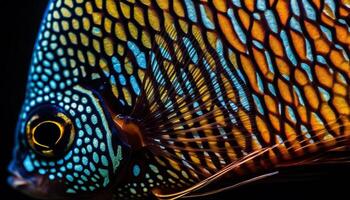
column 139, row 99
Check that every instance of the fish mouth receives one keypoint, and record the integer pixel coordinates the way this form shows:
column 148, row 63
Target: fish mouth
column 38, row 187
column 17, row 182
column 28, row 187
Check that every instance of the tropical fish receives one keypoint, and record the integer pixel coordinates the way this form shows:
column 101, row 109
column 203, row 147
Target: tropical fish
column 132, row 99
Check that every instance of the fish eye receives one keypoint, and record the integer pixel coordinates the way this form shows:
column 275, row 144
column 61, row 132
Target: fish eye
column 46, row 134
column 50, row 132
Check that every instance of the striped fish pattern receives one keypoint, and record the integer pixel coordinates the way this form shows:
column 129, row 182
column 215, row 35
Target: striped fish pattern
column 205, row 89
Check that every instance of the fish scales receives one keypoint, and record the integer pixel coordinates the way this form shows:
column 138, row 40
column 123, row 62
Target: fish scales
column 220, row 80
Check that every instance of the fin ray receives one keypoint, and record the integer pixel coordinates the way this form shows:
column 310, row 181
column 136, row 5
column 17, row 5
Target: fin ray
column 213, row 177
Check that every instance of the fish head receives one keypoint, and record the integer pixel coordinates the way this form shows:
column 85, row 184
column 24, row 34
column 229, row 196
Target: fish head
column 66, row 142
column 66, row 145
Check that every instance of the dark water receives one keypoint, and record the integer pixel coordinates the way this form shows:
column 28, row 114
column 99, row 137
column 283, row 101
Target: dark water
column 19, row 23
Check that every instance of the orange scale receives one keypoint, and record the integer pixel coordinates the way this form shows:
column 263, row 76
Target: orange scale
column 250, row 5
column 317, row 3
column 262, row 127
column 327, row 20
column 275, row 121
column 302, row 112
column 324, row 76
column 284, row 90
column 342, row 34
column 341, row 104
column 313, row 30
column 250, row 72
column 337, row 58
column 311, row 96
column 260, row 60
column 245, row 18
column 282, row 8
column 322, row 46
column 276, row 45
column 343, row 12
column 270, row 104
column 299, row 44
column 258, row 31
column 230, row 34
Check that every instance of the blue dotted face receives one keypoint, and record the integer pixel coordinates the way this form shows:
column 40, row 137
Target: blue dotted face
column 64, row 138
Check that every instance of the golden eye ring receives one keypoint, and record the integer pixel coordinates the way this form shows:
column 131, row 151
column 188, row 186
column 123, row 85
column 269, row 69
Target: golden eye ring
column 46, row 123
column 50, row 133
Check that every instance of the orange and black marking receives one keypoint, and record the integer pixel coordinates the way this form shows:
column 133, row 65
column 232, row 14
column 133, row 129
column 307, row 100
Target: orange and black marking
column 208, row 88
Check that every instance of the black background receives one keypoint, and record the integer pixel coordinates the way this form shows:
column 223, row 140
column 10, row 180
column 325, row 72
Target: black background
column 19, row 25
column 20, row 21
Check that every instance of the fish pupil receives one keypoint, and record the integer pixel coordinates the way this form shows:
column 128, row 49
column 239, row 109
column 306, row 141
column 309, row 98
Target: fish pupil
column 47, row 134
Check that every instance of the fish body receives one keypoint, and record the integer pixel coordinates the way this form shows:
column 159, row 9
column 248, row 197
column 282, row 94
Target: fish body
column 145, row 98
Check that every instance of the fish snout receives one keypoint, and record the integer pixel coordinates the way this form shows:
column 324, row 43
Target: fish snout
column 33, row 186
